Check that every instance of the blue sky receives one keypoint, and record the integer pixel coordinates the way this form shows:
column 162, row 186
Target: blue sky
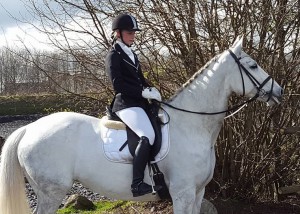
column 16, row 8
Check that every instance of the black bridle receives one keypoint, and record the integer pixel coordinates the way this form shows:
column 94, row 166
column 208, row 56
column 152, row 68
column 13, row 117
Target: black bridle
column 259, row 86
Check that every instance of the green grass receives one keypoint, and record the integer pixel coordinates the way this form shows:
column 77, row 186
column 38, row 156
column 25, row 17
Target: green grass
column 101, row 207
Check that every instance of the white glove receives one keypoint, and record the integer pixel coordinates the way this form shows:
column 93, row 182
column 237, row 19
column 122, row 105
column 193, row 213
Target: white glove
column 151, row 93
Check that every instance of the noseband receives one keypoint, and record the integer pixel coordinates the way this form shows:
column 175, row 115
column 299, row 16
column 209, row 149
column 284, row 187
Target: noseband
column 259, row 86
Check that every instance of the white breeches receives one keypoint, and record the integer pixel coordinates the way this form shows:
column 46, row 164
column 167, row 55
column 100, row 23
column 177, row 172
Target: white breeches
column 137, row 120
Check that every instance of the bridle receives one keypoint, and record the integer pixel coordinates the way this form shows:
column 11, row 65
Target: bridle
column 259, row 86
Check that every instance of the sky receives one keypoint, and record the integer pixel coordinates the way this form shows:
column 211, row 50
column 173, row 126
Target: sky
column 13, row 31
column 15, row 7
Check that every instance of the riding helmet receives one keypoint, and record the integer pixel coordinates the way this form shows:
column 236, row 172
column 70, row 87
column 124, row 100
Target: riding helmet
column 125, row 22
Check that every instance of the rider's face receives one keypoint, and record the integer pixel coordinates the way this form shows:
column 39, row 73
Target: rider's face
column 128, row 37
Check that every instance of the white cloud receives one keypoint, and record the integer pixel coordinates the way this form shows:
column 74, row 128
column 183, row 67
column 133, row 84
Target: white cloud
column 18, row 36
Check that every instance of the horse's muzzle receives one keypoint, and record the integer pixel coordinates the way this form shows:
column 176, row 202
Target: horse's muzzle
column 276, row 97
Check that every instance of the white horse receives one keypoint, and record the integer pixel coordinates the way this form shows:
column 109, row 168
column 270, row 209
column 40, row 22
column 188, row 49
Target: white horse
column 58, row 149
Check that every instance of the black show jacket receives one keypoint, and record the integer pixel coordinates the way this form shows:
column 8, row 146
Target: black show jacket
column 127, row 79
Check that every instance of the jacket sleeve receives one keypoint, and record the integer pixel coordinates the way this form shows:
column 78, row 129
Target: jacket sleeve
column 145, row 83
column 113, row 69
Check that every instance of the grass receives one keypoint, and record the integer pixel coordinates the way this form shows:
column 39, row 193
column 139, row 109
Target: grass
column 101, row 208
column 122, row 207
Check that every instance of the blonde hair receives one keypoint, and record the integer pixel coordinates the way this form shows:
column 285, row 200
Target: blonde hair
column 113, row 37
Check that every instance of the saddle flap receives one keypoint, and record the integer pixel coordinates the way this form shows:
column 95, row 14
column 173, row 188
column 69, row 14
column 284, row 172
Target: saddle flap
column 113, row 139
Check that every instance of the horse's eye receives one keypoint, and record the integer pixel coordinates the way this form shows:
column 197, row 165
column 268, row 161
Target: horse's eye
column 254, row 66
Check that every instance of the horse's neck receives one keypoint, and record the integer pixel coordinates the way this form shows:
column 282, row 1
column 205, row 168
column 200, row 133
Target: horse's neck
column 205, row 92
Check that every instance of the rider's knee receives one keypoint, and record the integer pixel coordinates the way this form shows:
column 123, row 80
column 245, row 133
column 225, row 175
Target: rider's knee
column 150, row 135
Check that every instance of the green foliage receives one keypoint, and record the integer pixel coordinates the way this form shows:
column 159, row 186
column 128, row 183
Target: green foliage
column 46, row 104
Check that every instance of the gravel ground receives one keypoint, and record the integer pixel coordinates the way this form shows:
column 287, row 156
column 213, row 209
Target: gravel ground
column 7, row 126
column 77, row 188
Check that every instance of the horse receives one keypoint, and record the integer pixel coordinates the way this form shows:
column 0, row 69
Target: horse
column 64, row 147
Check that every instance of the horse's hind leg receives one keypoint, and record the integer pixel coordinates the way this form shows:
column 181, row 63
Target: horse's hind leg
column 47, row 205
column 49, row 195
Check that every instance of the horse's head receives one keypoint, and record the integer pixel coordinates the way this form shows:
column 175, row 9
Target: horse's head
column 249, row 79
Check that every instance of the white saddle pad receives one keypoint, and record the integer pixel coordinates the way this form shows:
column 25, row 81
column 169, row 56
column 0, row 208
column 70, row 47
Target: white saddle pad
column 113, row 139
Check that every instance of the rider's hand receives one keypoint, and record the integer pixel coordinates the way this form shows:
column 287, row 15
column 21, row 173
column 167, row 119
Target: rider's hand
column 151, row 93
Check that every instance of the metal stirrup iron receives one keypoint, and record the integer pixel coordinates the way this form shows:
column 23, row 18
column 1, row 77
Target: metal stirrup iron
column 151, row 178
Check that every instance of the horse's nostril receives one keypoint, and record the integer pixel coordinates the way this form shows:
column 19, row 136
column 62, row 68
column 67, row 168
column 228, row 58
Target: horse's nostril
column 282, row 91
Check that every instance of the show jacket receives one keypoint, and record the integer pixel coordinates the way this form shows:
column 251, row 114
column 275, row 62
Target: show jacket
column 127, row 79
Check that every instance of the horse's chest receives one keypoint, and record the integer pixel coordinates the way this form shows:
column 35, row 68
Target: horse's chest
column 204, row 164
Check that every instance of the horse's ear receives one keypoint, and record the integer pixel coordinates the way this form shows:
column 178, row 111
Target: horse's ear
column 237, row 46
column 236, row 41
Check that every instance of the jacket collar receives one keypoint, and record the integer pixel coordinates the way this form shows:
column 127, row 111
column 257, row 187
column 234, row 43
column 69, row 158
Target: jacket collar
column 125, row 57
column 127, row 50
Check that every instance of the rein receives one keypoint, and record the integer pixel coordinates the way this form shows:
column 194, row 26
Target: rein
column 210, row 113
column 260, row 91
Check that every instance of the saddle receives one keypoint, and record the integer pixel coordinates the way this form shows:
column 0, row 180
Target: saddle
column 132, row 139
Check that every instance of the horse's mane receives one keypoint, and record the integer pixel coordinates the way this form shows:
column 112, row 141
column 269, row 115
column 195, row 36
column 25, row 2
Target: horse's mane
column 195, row 76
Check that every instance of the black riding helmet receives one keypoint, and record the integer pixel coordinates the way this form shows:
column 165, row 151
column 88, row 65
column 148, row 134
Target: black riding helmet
column 125, row 22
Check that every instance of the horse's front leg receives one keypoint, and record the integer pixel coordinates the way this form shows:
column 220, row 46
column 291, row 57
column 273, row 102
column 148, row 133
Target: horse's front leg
column 183, row 200
column 203, row 206
column 198, row 201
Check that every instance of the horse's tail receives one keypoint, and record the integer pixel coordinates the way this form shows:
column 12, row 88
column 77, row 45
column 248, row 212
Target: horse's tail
column 12, row 185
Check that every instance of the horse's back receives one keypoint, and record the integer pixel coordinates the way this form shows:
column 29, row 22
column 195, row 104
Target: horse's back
column 64, row 119
column 59, row 130
column 65, row 123
column 52, row 144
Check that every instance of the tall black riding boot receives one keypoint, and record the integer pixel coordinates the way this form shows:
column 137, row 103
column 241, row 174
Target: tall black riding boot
column 140, row 160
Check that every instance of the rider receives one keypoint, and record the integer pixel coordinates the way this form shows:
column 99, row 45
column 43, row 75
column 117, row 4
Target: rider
column 132, row 94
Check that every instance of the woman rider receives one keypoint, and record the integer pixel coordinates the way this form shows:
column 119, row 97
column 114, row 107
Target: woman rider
column 132, row 94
